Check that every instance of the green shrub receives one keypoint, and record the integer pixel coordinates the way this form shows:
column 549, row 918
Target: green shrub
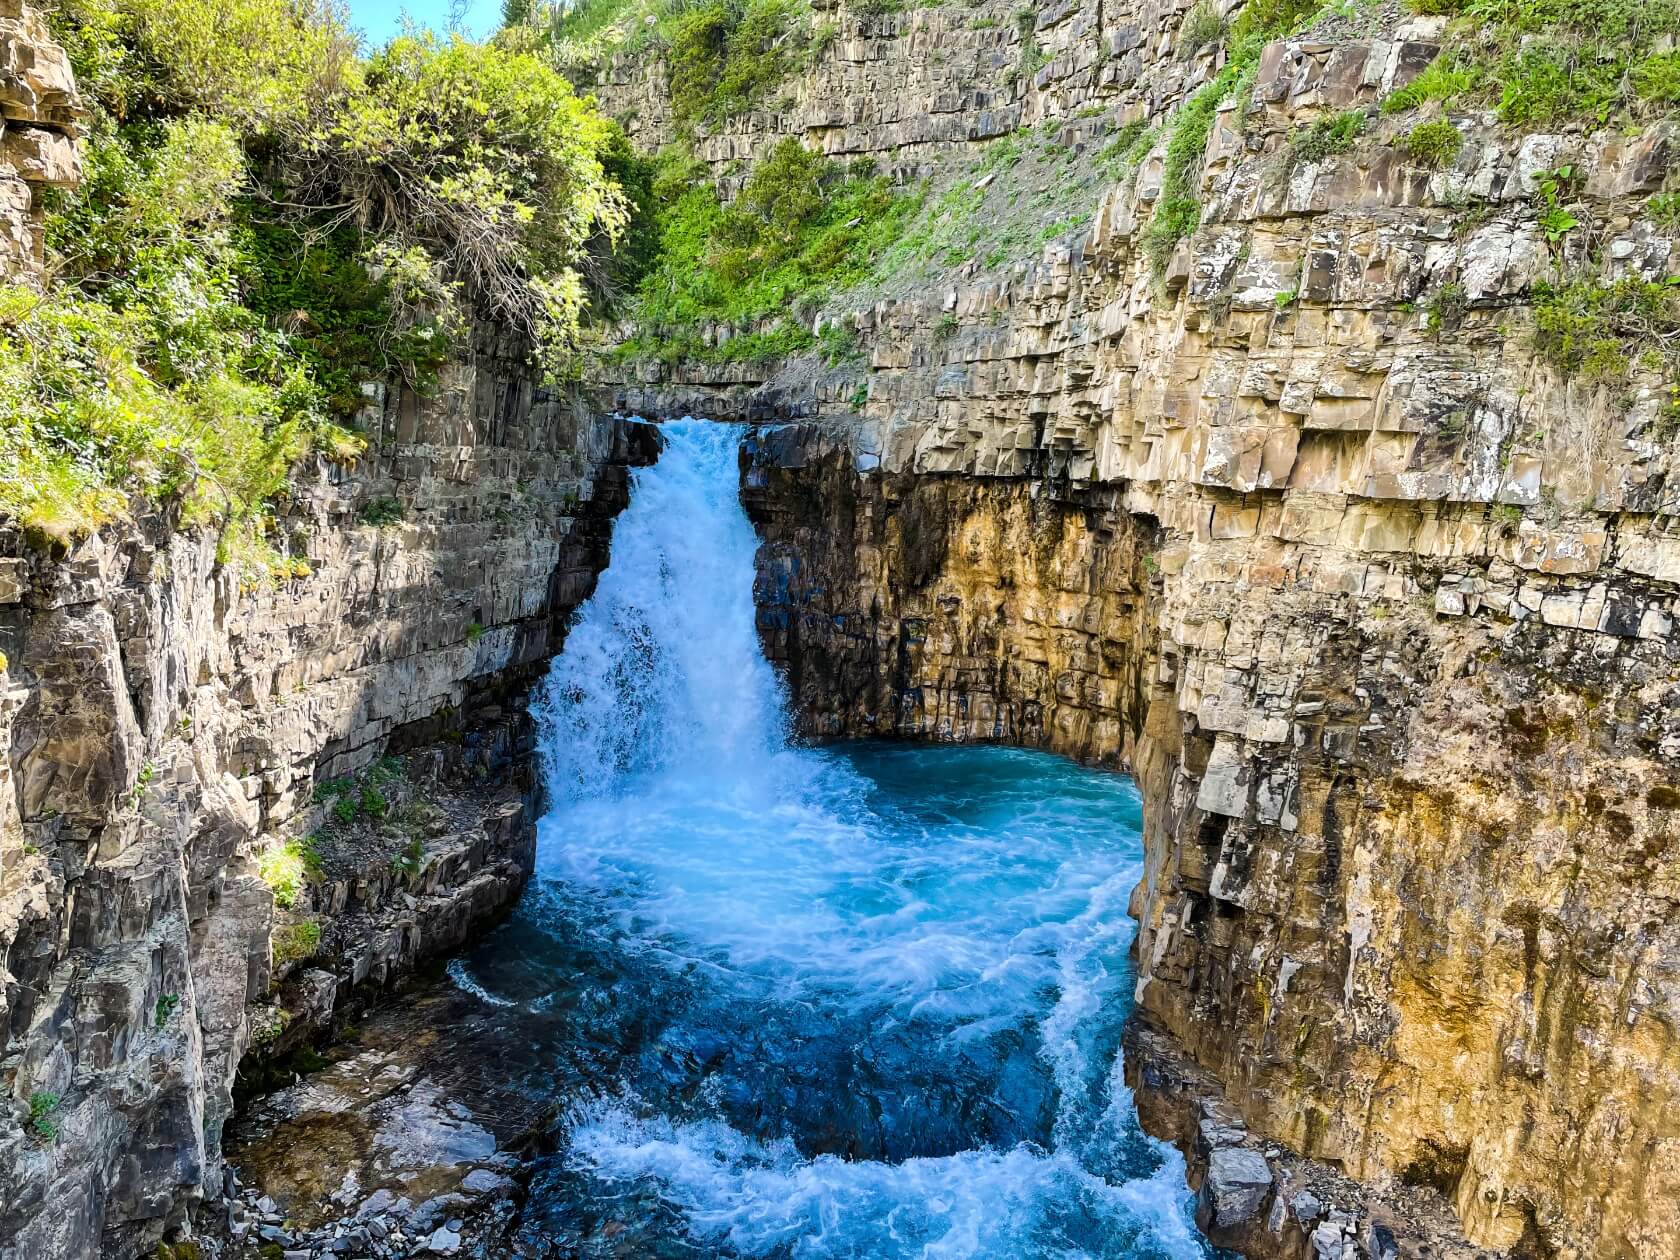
column 382, row 511
column 1334, row 133
column 1657, row 79
column 215, row 313
column 1587, row 329
column 1202, row 26
column 295, row 941
column 289, row 866
column 1664, row 210
column 726, row 56
column 798, row 229
column 165, row 1009
column 41, row 1125
column 1544, row 63
column 412, row 857
column 1448, row 308
column 1433, row 144
column 1178, row 212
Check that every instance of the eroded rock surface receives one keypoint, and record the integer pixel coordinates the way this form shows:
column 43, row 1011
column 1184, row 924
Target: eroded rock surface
column 168, row 731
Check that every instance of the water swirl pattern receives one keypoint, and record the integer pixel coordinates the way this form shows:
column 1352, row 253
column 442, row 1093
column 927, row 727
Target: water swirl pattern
column 849, row 1002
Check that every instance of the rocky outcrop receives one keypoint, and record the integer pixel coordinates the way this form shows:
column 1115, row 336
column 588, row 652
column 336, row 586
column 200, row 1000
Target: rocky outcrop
column 1370, row 900
column 40, row 116
column 168, row 729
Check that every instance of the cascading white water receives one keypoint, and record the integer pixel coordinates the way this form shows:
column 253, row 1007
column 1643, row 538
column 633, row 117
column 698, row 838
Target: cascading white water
column 854, row 1003
column 662, row 672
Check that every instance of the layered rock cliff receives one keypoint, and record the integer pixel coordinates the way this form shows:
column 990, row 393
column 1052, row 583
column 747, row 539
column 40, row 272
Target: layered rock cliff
column 180, row 750
column 1310, row 531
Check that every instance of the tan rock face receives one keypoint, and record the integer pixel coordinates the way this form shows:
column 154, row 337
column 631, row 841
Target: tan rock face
column 40, row 113
column 167, row 728
column 1376, row 607
column 1408, row 872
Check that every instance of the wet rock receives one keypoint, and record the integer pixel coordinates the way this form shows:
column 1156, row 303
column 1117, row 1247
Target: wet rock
column 1233, row 1191
column 484, row 1181
column 1306, row 1207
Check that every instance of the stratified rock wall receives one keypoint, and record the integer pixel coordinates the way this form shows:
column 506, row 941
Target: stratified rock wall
column 40, row 116
column 167, row 727
column 1306, row 532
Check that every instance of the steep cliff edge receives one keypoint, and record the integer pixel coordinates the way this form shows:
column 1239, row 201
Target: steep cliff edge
column 1311, row 522
column 169, row 735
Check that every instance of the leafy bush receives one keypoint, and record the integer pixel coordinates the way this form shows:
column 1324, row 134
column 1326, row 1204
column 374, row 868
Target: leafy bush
column 484, row 159
column 1585, row 328
column 1448, row 308
column 1657, row 79
column 1433, row 144
column 382, row 511
column 287, row 867
column 1202, row 25
column 266, row 222
column 42, row 1127
column 799, row 228
column 1334, row 133
column 295, row 941
column 725, row 56
column 165, row 1009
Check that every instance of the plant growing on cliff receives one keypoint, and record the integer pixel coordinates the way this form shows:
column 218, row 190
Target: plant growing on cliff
column 1178, row 209
column 409, row 861
column 726, row 56
column 1594, row 331
column 165, row 1010
column 288, row 867
column 1541, row 63
column 1202, row 26
column 1433, row 144
column 41, row 1125
column 1447, row 308
column 1334, row 133
column 799, row 228
column 295, row 941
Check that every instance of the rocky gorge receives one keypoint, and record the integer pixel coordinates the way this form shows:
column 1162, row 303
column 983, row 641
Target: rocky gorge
column 1295, row 522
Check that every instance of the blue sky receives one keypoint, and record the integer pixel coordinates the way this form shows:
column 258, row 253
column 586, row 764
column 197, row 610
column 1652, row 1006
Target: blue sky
column 381, row 19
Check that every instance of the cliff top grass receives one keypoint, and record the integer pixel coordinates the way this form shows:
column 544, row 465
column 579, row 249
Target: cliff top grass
column 1553, row 63
column 722, row 56
column 269, row 219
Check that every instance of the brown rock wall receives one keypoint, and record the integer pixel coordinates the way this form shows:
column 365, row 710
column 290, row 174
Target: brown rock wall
column 167, row 727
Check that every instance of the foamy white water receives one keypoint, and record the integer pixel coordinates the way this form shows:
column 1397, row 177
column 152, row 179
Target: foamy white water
column 863, row 1002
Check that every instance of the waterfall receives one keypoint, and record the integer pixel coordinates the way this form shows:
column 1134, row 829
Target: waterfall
column 859, row 1002
column 662, row 672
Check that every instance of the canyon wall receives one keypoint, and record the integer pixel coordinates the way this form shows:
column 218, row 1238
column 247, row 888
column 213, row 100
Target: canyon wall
column 1306, row 532
column 175, row 735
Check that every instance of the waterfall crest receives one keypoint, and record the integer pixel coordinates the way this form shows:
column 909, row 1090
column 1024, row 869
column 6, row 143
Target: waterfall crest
column 662, row 671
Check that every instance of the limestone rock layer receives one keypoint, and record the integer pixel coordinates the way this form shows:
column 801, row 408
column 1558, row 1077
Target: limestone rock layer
column 168, row 731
